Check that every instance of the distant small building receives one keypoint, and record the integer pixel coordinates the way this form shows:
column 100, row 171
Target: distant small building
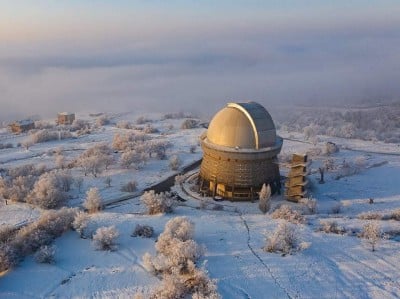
column 22, row 126
column 65, row 118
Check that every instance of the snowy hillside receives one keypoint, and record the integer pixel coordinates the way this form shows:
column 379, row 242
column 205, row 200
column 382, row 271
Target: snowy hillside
column 331, row 258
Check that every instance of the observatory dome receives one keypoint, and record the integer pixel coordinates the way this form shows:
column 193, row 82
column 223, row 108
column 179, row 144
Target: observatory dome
column 240, row 151
column 242, row 125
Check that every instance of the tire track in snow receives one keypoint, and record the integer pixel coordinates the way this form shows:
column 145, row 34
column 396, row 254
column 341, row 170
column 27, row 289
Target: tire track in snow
column 286, row 291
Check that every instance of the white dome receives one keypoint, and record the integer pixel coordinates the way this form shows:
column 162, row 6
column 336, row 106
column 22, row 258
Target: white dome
column 242, row 125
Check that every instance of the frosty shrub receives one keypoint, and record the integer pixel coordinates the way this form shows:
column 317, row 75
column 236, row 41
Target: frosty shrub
column 309, row 132
column 102, row 121
column 176, row 258
column 95, row 159
column 8, row 257
column 360, row 162
column 43, row 231
column 18, row 188
column 49, row 135
column 371, row 232
column 26, row 144
column 331, row 227
column 171, row 287
column 145, row 231
column 81, row 125
column 180, row 227
column 285, row 212
column 41, row 124
column 131, row 186
column 218, row 207
column 395, row 215
column 265, row 198
column 124, row 125
column 46, row 192
column 174, row 162
column 335, row 209
column 179, row 179
column 283, row 239
column 149, row 129
column 189, row 124
column 176, row 115
column 60, row 161
column 80, row 223
column 328, row 164
column 193, row 148
column 310, row 204
column 142, row 120
column 45, row 255
column 370, row 216
column 7, row 233
column 105, row 238
column 330, row 148
column 64, row 180
column 25, row 170
column 6, row 145
column 132, row 157
column 93, row 202
column 157, row 202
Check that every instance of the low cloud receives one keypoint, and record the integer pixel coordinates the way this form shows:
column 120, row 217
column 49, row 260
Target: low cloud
column 203, row 67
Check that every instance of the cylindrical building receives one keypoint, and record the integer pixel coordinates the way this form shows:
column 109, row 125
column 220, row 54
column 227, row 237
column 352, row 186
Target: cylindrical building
column 240, row 152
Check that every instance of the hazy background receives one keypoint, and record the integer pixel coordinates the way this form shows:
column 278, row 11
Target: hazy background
column 195, row 56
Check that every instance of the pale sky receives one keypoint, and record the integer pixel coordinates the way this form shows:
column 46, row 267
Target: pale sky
column 194, row 55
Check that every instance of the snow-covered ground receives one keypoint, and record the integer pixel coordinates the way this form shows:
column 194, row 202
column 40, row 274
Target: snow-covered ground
column 334, row 266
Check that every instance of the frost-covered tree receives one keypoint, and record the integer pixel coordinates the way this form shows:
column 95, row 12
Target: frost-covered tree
column 176, row 258
column 284, row 239
column 265, row 198
column 131, row 186
column 157, row 202
column 132, row 157
column 105, row 238
column 285, row 212
column 189, row 124
column 46, row 192
column 93, row 202
column 8, row 257
column 45, row 254
column 372, row 233
column 80, row 223
column 60, row 161
column 64, row 180
column 95, row 159
column 175, row 162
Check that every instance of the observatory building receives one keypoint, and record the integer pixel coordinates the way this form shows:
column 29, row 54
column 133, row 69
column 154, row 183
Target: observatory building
column 240, row 152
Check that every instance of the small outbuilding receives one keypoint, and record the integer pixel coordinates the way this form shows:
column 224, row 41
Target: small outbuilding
column 65, row 118
column 240, row 152
column 22, row 126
